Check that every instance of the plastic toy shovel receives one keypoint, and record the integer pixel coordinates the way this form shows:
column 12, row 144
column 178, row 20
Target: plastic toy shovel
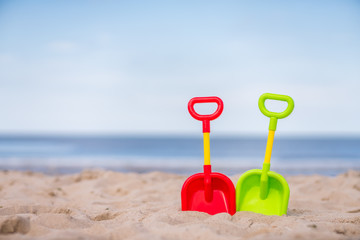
column 209, row 192
column 264, row 191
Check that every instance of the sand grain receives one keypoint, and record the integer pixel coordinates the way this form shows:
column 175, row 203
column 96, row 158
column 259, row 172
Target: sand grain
column 110, row 205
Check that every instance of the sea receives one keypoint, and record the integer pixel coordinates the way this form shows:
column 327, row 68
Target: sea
column 230, row 155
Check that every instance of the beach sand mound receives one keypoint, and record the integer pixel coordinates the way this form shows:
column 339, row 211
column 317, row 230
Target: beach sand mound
column 109, row 205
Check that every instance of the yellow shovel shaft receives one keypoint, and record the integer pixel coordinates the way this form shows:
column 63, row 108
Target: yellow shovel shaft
column 269, row 146
column 206, row 148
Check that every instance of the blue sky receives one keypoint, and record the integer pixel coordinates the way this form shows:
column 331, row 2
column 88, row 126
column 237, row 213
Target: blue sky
column 131, row 67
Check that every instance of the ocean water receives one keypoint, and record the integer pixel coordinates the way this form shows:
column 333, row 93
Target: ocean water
column 182, row 155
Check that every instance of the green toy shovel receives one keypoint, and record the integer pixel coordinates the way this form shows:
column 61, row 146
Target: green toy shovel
column 264, row 191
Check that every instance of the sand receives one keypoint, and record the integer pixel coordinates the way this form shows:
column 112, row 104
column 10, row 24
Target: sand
column 110, row 205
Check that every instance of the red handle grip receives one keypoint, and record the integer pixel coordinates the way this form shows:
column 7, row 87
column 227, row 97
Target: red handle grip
column 205, row 118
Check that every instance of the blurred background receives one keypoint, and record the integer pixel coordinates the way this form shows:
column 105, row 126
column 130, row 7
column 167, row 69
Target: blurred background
column 106, row 84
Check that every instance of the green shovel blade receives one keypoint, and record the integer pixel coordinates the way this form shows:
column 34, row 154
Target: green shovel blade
column 276, row 199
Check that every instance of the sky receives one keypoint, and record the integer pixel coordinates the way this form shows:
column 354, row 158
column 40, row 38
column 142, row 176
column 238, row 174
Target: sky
column 130, row 67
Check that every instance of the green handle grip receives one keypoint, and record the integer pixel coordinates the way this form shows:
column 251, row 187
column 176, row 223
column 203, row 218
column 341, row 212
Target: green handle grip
column 274, row 116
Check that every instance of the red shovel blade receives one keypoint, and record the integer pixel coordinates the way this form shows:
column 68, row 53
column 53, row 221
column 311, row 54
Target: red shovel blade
column 208, row 192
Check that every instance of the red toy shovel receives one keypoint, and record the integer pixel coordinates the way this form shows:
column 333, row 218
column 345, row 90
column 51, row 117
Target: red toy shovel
column 209, row 192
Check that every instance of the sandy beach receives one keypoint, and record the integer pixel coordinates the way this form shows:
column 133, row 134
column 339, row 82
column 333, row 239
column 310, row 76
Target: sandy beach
column 97, row 204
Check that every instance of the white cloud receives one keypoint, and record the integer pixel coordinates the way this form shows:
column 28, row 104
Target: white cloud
column 104, row 38
column 6, row 58
column 61, row 46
